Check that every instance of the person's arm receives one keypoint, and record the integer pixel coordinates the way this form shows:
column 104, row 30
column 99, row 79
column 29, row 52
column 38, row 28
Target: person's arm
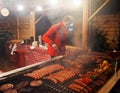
column 48, row 37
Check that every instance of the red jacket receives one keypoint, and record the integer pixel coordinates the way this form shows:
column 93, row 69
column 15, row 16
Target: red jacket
column 58, row 35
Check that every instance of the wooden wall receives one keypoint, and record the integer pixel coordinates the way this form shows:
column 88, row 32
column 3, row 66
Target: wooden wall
column 110, row 24
column 8, row 24
column 25, row 27
column 13, row 26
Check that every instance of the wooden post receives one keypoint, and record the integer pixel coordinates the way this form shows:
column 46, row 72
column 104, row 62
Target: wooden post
column 85, row 25
column 32, row 24
column 18, row 35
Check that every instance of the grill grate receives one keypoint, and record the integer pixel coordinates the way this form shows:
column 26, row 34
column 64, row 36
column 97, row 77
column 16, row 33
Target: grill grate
column 50, row 87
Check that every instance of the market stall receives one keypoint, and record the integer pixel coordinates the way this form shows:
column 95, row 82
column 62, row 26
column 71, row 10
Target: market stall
column 80, row 70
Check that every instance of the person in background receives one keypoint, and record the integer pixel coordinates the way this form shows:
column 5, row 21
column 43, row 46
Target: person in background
column 56, row 37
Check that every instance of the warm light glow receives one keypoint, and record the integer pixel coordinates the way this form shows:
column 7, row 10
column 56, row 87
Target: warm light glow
column 73, row 4
column 38, row 8
column 77, row 3
column 4, row 11
column 53, row 3
column 20, row 7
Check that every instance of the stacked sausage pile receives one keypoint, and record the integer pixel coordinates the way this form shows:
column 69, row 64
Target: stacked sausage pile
column 62, row 75
column 39, row 73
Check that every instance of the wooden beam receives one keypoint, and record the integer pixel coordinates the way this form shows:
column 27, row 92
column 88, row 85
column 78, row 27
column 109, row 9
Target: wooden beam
column 38, row 19
column 18, row 35
column 98, row 10
column 85, row 25
column 32, row 24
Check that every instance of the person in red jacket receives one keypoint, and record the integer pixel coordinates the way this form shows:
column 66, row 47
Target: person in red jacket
column 56, row 37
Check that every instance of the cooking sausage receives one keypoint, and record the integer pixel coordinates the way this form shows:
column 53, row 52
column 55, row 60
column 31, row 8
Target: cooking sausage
column 36, row 83
column 96, row 83
column 10, row 91
column 73, row 88
column 22, row 84
column 78, row 81
column 6, row 86
column 36, row 74
column 62, row 76
column 100, row 81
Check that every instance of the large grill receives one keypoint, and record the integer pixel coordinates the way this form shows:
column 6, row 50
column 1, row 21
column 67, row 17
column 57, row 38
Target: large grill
column 86, row 79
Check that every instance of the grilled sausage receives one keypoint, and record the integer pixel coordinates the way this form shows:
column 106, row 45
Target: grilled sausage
column 11, row 91
column 36, row 74
column 36, row 83
column 73, row 87
column 51, row 79
column 22, row 84
column 82, row 84
column 96, row 83
column 100, row 81
column 6, row 87
column 62, row 76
